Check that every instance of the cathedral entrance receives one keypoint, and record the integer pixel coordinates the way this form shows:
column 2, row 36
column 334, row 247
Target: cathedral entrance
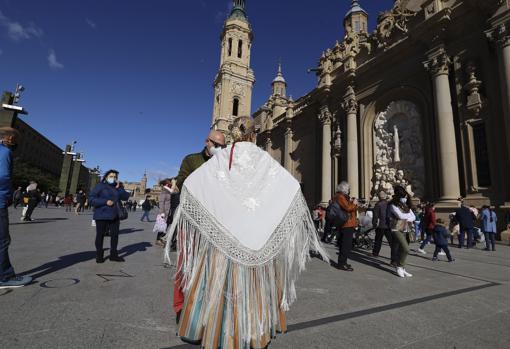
column 399, row 156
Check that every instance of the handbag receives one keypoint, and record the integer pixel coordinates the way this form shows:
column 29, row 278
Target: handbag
column 122, row 211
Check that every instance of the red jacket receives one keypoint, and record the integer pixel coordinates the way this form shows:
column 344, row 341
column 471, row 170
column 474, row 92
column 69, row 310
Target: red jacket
column 430, row 218
column 348, row 207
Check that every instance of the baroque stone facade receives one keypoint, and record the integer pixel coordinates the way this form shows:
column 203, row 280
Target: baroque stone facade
column 423, row 101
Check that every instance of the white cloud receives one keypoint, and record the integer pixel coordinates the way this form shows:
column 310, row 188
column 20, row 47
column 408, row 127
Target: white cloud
column 16, row 31
column 52, row 60
column 93, row 25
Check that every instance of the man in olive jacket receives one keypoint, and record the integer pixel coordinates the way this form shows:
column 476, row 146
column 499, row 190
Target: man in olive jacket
column 214, row 142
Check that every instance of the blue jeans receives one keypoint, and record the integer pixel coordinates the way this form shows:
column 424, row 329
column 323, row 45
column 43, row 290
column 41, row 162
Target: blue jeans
column 490, row 238
column 145, row 215
column 6, row 269
column 427, row 238
column 469, row 232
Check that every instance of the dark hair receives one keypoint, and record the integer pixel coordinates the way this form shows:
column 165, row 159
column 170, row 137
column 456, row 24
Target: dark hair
column 108, row 173
column 165, row 181
column 399, row 192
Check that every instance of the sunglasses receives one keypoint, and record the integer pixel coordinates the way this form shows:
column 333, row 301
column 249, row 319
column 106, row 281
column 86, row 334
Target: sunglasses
column 217, row 145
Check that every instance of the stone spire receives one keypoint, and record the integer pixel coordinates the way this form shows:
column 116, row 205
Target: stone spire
column 279, row 84
column 239, row 9
column 356, row 18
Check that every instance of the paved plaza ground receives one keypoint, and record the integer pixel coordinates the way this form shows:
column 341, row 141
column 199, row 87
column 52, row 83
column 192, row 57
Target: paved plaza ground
column 76, row 303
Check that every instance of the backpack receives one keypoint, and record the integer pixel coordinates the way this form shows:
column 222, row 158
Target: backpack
column 335, row 215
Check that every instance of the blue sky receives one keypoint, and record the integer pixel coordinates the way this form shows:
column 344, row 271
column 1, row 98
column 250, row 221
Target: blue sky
column 131, row 81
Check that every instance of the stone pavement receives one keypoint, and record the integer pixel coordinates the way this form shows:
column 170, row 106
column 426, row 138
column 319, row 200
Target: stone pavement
column 76, row 303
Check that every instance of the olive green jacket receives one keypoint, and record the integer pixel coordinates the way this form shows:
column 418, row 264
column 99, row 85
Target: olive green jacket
column 190, row 164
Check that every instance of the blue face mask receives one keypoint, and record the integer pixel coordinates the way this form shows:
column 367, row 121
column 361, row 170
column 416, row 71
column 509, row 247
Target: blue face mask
column 110, row 180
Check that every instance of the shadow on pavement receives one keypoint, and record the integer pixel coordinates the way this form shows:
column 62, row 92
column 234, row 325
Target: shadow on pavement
column 362, row 258
column 69, row 260
column 129, row 231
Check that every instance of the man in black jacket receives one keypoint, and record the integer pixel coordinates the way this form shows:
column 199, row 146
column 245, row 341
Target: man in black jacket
column 466, row 219
column 146, row 207
column 380, row 223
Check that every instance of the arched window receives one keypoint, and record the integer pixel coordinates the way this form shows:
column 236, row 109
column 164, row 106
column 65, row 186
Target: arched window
column 230, row 47
column 235, row 107
column 240, row 49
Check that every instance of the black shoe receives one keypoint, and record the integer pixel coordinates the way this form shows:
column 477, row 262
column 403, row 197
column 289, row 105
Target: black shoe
column 486, row 249
column 117, row 259
column 344, row 267
column 99, row 257
column 451, row 260
column 178, row 317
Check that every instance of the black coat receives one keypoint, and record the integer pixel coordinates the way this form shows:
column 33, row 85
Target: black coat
column 440, row 235
column 465, row 217
column 100, row 195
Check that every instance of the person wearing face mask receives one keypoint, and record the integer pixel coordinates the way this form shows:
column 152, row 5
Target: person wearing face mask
column 106, row 197
column 214, row 142
column 400, row 216
column 165, row 199
column 8, row 143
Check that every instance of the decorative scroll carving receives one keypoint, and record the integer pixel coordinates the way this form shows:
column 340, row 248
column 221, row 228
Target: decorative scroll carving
column 350, row 104
column 325, row 116
column 391, row 21
column 439, row 63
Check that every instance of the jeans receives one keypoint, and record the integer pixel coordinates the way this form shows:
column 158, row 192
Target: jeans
column 492, row 237
column 445, row 249
column 6, row 269
column 104, row 226
column 145, row 215
column 469, row 232
column 379, row 233
column 427, row 238
column 345, row 244
column 400, row 244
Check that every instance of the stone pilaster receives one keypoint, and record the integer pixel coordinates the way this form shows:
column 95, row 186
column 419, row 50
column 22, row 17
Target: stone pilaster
column 325, row 118
column 287, row 158
column 350, row 106
column 438, row 65
column 66, row 170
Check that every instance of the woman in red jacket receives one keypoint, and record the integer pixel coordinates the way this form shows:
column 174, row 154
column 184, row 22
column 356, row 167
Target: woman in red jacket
column 349, row 205
column 429, row 224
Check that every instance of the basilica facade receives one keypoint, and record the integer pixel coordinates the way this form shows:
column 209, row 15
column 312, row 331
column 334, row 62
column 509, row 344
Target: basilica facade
column 423, row 101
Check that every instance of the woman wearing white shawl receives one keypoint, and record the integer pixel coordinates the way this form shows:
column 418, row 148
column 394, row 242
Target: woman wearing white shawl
column 244, row 235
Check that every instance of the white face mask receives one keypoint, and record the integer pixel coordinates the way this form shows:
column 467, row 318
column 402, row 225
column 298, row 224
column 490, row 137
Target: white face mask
column 213, row 151
column 403, row 200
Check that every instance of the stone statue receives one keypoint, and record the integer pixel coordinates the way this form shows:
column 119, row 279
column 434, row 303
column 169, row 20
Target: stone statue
column 396, row 144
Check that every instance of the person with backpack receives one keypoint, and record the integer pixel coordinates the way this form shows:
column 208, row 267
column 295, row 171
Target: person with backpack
column 381, row 227
column 146, row 207
column 489, row 222
column 347, row 223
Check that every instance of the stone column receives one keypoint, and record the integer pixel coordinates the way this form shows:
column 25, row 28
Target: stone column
column 350, row 105
column 438, row 66
column 269, row 143
column 325, row 118
column 500, row 36
column 287, row 158
column 76, row 174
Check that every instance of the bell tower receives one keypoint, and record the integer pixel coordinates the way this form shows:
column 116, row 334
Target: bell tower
column 356, row 18
column 234, row 82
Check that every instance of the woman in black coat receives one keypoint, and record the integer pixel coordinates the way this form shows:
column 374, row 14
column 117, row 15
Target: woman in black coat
column 106, row 198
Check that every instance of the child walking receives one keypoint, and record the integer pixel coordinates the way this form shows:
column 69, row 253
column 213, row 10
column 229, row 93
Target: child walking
column 441, row 240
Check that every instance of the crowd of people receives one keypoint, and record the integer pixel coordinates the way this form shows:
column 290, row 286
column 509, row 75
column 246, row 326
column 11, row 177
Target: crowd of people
column 245, row 252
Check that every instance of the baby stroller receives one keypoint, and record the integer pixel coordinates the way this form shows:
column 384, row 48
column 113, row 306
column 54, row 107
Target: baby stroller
column 363, row 239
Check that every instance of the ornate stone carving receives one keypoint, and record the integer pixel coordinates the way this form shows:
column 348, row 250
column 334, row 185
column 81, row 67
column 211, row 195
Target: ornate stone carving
column 392, row 20
column 408, row 169
column 439, row 63
column 499, row 35
column 337, row 142
column 475, row 100
column 350, row 104
column 325, row 116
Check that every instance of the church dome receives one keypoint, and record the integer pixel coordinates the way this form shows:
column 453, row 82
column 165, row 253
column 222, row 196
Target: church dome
column 355, row 8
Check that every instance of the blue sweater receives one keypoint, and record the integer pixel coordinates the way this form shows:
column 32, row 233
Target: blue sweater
column 441, row 235
column 100, row 195
column 5, row 175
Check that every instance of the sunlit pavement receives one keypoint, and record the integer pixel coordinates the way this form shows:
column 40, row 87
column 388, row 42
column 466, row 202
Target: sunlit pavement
column 76, row 303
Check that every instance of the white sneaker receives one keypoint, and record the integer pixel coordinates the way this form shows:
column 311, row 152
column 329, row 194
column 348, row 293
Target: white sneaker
column 406, row 274
column 442, row 253
column 15, row 282
column 400, row 272
column 422, row 251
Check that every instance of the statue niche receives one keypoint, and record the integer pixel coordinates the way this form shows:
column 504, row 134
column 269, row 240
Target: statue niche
column 398, row 150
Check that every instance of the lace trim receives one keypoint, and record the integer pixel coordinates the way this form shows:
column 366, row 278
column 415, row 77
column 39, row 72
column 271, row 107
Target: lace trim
column 196, row 215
